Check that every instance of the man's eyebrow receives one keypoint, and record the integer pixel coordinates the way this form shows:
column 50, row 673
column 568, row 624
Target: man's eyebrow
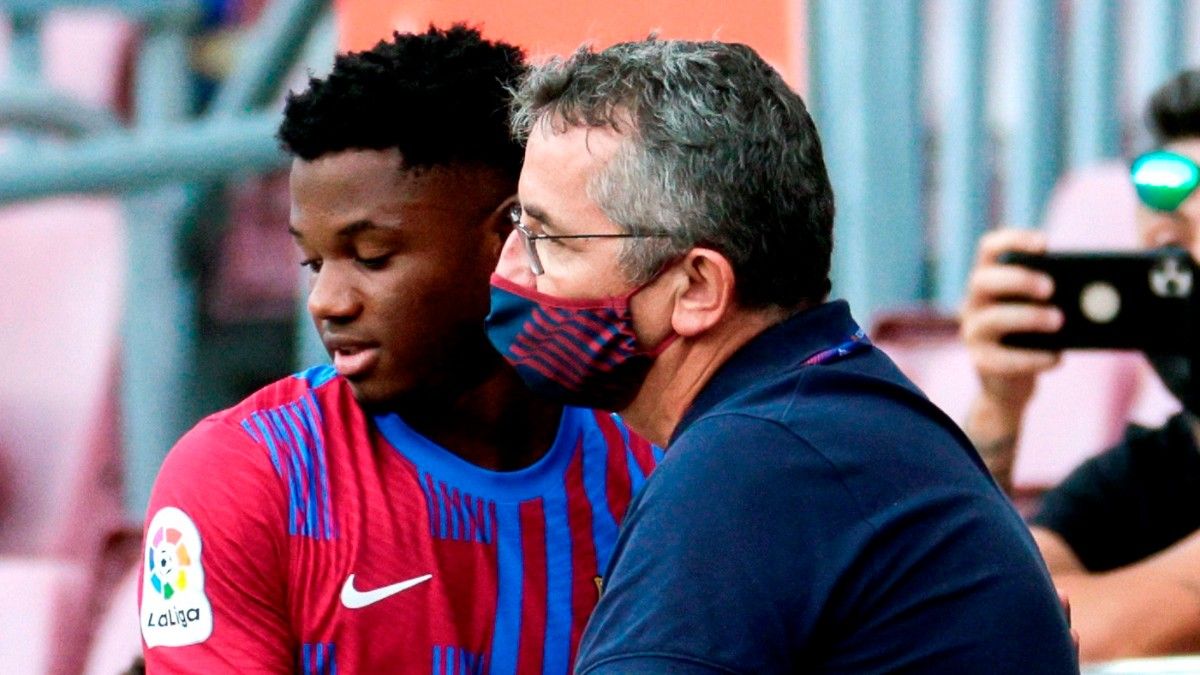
column 540, row 216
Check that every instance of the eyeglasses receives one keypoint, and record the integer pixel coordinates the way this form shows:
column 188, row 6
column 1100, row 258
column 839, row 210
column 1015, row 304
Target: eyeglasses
column 1164, row 179
column 529, row 238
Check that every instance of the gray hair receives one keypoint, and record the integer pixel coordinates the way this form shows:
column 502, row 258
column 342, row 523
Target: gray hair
column 719, row 153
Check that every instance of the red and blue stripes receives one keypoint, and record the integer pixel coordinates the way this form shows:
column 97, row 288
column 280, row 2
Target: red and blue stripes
column 457, row 515
column 549, row 529
column 291, row 435
column 457, row 661
column 317, row 658
column 561, row 343
column 510, row 565
column 577, row 353
column 566, row 537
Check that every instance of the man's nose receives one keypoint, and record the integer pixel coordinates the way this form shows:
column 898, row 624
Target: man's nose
column 332, row 297
column 514, row 262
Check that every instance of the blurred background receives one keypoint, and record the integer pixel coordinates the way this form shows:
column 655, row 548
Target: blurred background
column 147, row 277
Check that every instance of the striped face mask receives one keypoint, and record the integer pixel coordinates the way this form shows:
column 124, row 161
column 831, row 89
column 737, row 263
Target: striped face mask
column 577, row 352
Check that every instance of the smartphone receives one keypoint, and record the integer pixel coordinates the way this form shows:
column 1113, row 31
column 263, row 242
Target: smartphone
column 1141, row 300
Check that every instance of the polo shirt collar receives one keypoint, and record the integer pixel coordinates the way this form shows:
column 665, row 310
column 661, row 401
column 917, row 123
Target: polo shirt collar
column 782, row 347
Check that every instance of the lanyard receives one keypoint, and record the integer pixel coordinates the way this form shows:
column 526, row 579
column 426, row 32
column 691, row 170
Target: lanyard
column 857, row 343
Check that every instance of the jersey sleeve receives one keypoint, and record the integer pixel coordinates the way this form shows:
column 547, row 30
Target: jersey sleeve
column 213, row 594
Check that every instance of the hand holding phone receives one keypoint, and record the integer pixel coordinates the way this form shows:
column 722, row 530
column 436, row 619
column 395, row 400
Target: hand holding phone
column 1140, row 300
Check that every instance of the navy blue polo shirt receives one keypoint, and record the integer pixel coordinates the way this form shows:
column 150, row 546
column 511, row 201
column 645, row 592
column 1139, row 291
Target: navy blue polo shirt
column 822, row 518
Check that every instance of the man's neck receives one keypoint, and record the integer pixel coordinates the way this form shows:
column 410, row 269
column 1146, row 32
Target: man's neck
column 489, row 419
column 682, row 371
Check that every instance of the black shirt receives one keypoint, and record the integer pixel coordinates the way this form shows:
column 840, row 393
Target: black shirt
column 1132, row 501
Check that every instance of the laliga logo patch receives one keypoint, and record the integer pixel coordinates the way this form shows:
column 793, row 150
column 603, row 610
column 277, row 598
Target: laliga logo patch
column 175, row 610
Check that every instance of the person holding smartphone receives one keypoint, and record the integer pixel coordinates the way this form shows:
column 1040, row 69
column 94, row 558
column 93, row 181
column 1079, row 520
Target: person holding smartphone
column 1121, row 535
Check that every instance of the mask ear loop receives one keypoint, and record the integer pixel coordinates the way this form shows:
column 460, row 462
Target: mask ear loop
column 670, row 339
column 662, row 345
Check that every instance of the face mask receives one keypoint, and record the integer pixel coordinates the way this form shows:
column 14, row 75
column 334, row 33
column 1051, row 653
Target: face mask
column 578, row 352
column 1175, row 371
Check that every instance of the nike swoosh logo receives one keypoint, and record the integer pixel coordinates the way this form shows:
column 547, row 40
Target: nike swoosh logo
column 353, row 598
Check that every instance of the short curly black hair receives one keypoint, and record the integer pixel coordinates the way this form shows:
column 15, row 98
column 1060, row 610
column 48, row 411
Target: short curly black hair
column 1174, row 110
column 440, row 97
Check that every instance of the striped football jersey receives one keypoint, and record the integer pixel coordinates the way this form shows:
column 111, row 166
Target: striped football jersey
column 297, row 533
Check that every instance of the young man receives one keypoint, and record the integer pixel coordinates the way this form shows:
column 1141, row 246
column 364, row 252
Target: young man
column 814, row 513
column 411, row 508
column 1121, row 534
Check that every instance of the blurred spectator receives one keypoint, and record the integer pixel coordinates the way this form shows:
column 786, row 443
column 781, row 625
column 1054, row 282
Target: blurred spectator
column 1120, row 533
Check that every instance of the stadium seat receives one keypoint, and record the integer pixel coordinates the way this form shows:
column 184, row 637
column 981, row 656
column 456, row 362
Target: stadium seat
column 85, row 54
column 33, row 592
column 60, row 474
column 1092, row 208
column 61, row 269
column 117, row 640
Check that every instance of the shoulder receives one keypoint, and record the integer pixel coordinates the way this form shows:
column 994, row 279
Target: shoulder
column 860, row 422
column 236, row 458
column 218, row 448
column 319, row 386
column 219, row 480
column 741, row 468
column 287, row 415
column 740, row 492
column 750, row 471
column 1176, row 439
column 837, row 404
column 240, row 436
column 1169, row 451
column 882, row 482
column 737, row 444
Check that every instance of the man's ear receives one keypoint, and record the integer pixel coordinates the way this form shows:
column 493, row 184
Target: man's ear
column 707, row 292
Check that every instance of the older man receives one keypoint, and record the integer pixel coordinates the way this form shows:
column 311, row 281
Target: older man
column 814, row 513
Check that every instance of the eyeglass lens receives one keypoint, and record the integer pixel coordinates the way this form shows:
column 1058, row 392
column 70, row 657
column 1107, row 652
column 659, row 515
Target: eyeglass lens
column 1164, row 180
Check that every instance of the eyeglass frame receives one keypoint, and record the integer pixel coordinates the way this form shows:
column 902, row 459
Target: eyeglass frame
column 529, row 238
